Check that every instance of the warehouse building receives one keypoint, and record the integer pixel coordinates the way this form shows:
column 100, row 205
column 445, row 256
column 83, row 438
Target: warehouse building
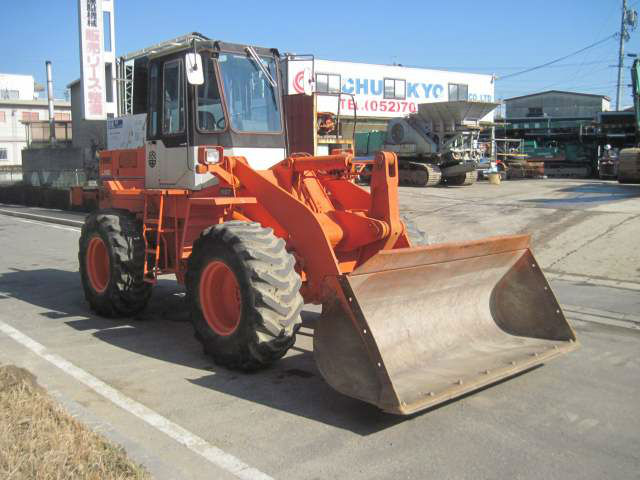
column 553, row 115
column 557, row 104
column 557, row 125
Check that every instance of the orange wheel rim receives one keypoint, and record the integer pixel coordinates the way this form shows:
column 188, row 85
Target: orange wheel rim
column 98, row 264
column 220, row 299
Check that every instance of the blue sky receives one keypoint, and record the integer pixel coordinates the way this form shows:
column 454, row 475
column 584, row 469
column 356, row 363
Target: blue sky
column 496, row 36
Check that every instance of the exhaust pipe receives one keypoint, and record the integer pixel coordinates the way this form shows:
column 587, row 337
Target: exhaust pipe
column 52, row 120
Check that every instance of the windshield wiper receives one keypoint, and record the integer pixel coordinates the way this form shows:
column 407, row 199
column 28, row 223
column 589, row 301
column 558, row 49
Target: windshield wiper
column 256, row 59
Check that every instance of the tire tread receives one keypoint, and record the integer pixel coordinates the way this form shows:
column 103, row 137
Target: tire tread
column 127, row 293
column 273, row 287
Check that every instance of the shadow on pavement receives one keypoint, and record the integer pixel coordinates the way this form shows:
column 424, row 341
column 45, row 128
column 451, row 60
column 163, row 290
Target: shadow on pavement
column 590, row 193
column 293, row 385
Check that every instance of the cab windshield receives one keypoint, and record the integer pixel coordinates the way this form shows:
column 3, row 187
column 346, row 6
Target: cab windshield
column 251, row 100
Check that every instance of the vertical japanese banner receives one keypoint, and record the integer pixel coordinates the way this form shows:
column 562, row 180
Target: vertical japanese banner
column 91, row 59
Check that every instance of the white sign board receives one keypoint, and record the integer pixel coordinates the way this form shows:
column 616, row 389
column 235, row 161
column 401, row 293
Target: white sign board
column 385, row 91
column 92, row 59
column 126, row 132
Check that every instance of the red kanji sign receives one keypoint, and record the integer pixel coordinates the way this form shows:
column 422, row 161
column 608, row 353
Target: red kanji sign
column 93, row 71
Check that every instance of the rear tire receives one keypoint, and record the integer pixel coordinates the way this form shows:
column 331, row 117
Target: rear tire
column 252, row 315
column 111, row 256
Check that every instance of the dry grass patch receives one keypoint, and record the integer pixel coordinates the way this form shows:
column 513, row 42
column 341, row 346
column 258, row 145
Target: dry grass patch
column 39, row 440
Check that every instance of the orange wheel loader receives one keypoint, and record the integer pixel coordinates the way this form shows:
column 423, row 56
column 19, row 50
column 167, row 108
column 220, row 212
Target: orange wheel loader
column 212, row 197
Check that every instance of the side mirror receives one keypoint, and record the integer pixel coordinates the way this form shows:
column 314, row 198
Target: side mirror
column 195, row 73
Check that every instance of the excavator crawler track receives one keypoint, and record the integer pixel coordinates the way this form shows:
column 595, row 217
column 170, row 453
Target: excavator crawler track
column 468, row 178
column 419, row 174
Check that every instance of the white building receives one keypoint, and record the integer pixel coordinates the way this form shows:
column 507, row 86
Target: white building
column 381, row 92
column 17, row 87
column 20, row 107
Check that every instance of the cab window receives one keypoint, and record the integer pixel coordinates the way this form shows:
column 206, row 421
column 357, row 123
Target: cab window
column 210, row 111
column 153, row 101
column 172, row 98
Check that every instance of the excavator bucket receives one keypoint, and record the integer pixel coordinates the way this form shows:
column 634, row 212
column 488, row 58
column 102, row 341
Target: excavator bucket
column 415, row 327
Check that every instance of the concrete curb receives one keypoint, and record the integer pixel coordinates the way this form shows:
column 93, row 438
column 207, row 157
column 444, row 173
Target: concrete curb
column 43, row 218
column 138, row 453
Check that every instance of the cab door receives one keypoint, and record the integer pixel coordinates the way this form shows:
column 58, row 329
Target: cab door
column 166, row 149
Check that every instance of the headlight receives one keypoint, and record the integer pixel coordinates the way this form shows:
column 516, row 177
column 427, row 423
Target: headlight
column 212, row 155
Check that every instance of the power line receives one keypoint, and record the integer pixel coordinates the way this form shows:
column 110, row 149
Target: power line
column 602, row 29
column 565, row 88
column 467, row 68
column 561, row 77
column 538, row 67
column 585, row 86
column 575, row 80
column 493, row 69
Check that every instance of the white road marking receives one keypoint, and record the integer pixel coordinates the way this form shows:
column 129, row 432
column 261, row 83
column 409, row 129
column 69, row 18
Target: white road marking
column 46, row 224
column 627, row 317
column 196, row 444
column 571, row 315
column 599, row 282
column 43, row 218
column 591, row 319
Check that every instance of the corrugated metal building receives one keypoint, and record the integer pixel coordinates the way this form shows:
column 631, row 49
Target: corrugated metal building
column 557, row 104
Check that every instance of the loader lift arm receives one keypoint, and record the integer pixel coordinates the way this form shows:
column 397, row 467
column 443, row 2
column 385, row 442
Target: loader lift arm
column 331, row 241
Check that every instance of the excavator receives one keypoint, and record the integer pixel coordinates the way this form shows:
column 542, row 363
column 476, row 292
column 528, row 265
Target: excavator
column 254, row 233
column 439, row 143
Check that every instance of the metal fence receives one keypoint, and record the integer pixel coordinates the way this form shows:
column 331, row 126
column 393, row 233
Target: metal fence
column 55, row 178
column 41, row 188
column 44, row 178
column 10, row 175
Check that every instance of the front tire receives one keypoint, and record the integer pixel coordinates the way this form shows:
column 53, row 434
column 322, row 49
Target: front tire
column 111, row 257
column 244, row 295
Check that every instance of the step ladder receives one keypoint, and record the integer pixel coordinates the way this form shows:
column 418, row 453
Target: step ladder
column 153, row 226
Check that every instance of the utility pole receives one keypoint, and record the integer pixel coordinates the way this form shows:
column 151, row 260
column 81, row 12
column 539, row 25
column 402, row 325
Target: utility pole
column 628, row 23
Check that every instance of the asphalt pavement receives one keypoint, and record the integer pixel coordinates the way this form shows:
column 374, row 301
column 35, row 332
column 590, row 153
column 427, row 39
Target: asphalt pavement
column 146, row 383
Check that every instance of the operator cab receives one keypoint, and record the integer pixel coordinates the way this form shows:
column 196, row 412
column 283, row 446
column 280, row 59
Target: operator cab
column 201, row 93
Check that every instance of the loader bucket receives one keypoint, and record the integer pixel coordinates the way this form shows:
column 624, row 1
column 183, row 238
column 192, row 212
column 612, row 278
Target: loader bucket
column 415, row 327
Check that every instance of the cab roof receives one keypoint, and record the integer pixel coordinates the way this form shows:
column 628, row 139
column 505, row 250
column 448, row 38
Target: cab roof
column 188, row 41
